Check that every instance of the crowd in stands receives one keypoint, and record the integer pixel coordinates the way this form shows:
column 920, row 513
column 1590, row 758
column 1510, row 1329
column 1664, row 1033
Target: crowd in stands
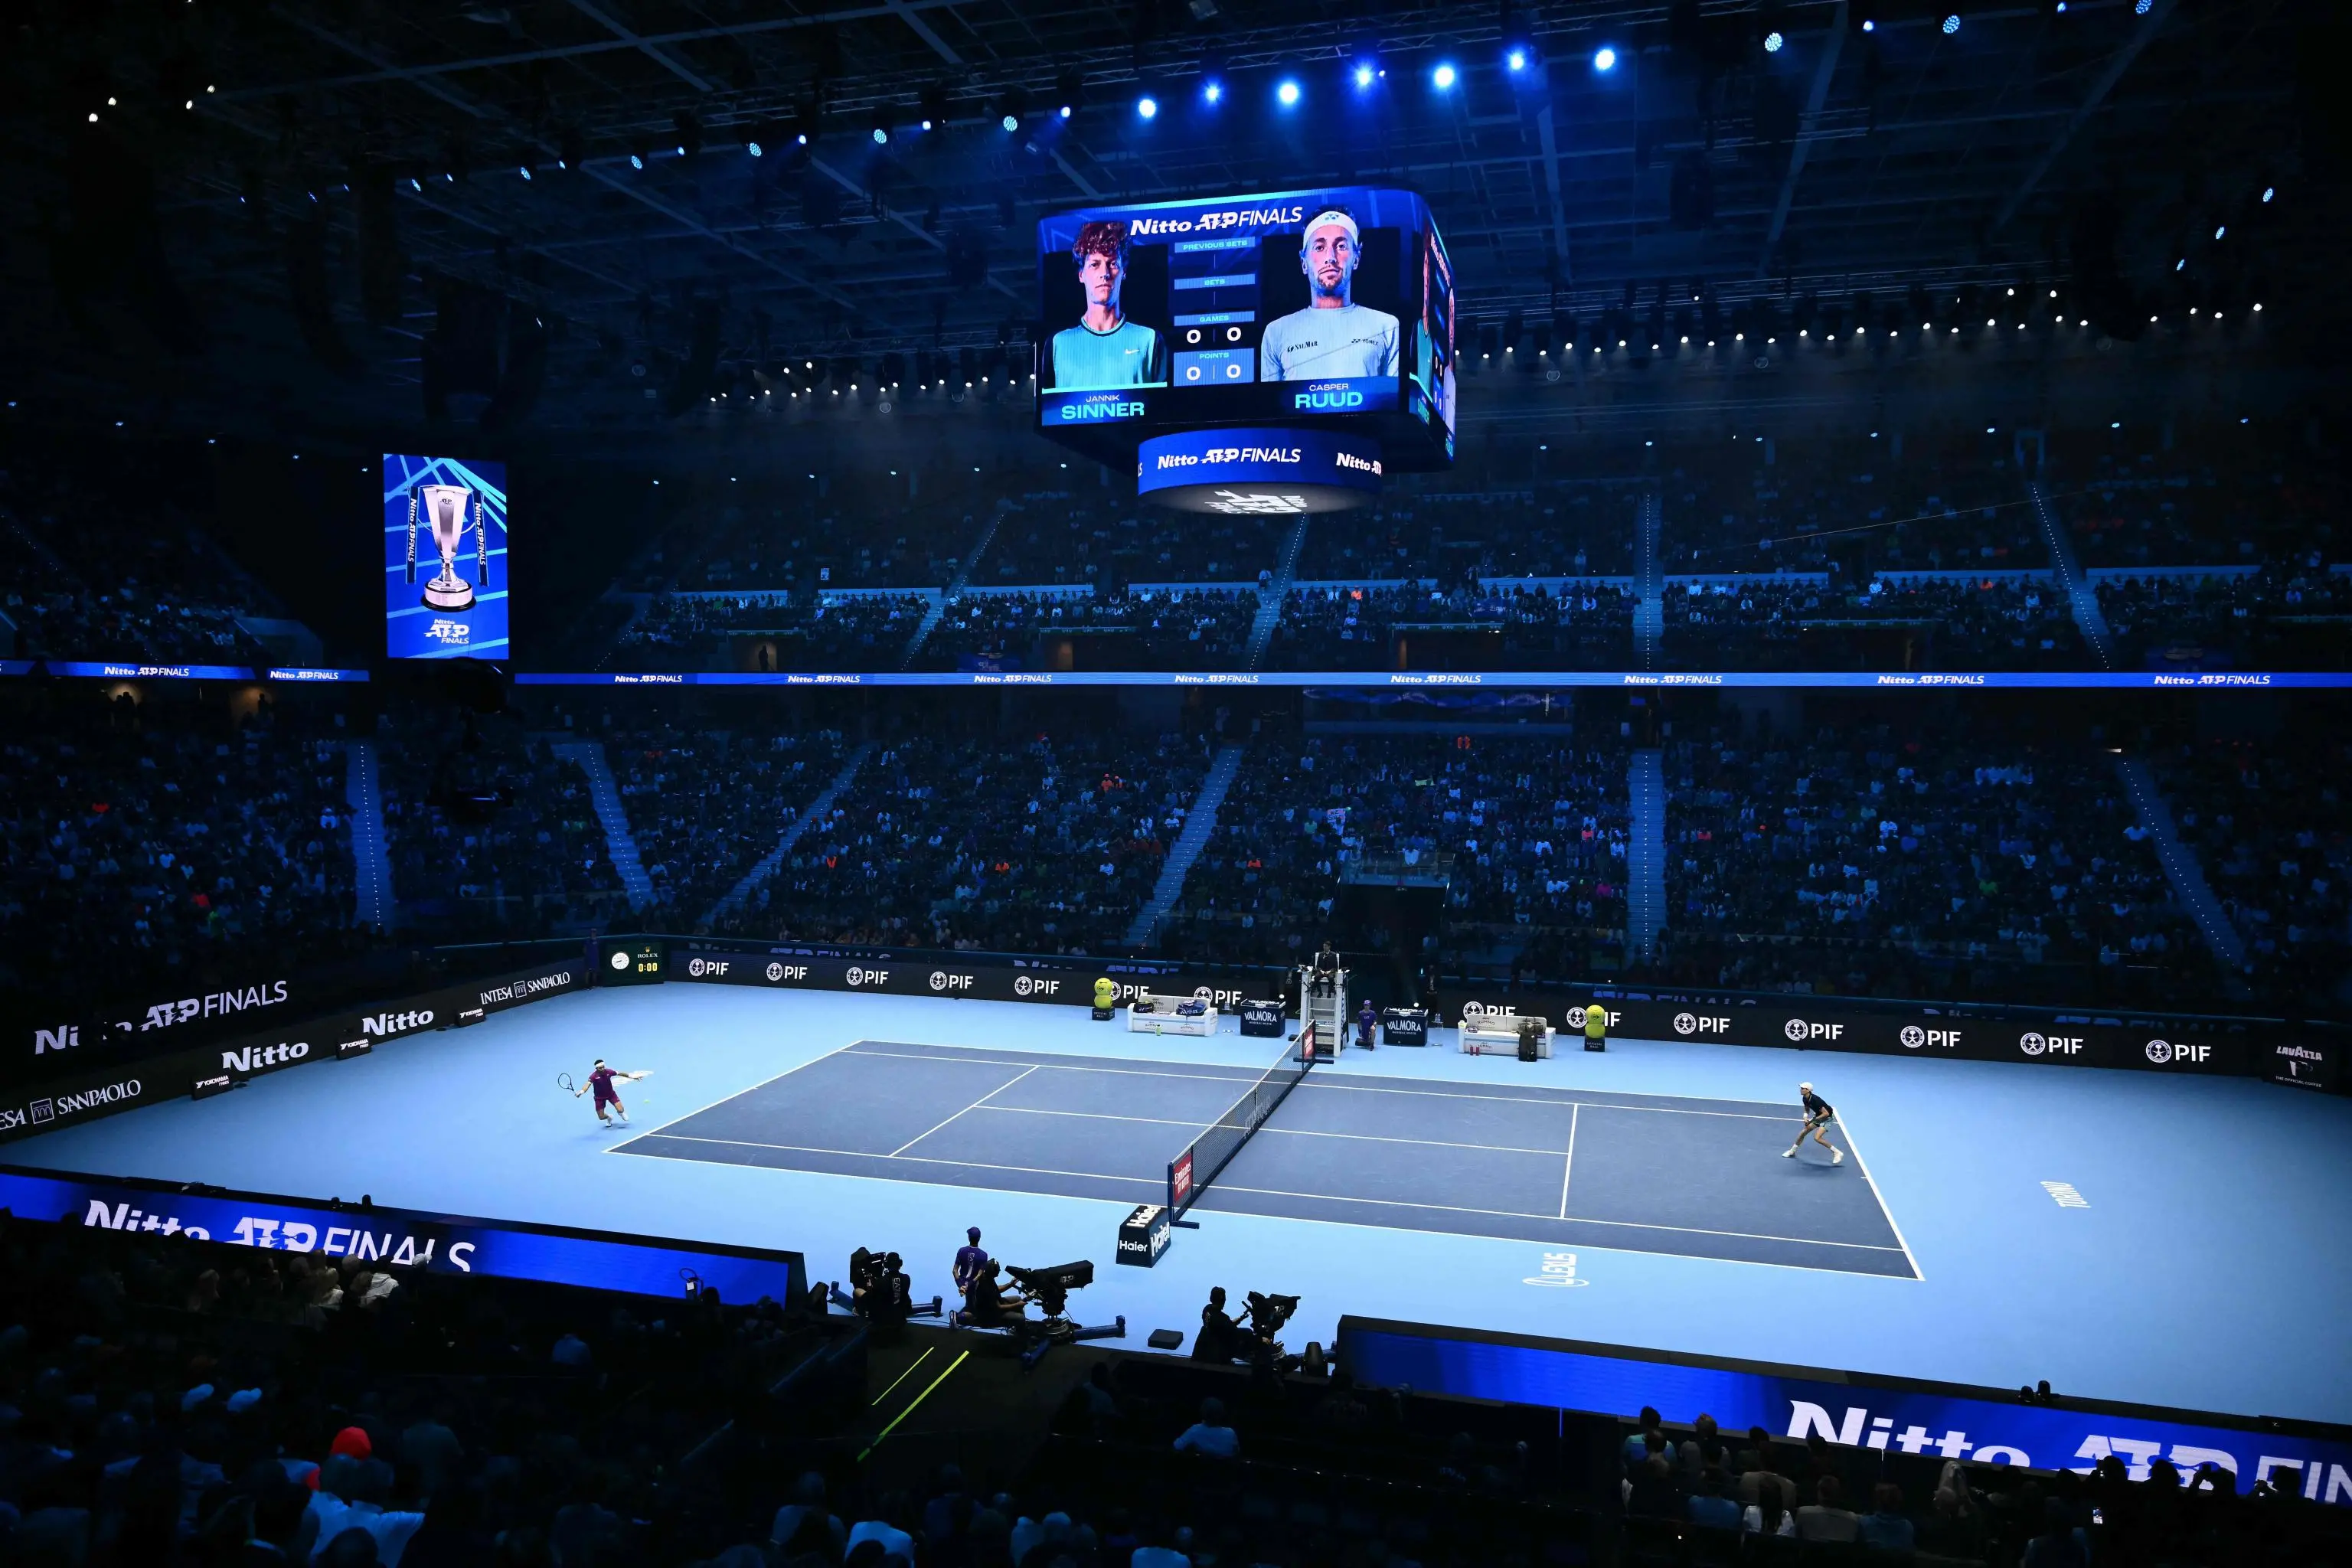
column 1695, row 1493
column 768, row 632
column 1047, row 844
column 1531, row 832
column 2224, row 495
column 1892, row 623
column 153, row 849
column 1917, row 861
column 2270, row 831
column 1141, row 628
column 167, row 1403
column 1761, row 505
column 705, row 805
column 2269, row 617
column 490, row 832
column 1498, row 626
column 1457, row 532
column 1093, row 536
column 872, row 536
column 94, row 567
column 150, row 847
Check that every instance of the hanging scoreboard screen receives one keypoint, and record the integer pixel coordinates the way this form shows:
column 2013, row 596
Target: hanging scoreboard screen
column 1326, row 306
column 445, row 554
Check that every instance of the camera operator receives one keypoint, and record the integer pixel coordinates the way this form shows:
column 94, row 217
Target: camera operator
column 987, row 1304
column 1260, row 1345
column 890, row 1300
column 1216, row 1340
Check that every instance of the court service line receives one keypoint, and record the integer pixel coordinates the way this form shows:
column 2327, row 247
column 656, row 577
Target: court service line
column 975, row 1105
column 1569, row 1168
column 1159, row 1182
column 1522, row 1214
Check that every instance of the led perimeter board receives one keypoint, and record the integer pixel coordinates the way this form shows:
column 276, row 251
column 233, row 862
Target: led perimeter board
column 1330, row 308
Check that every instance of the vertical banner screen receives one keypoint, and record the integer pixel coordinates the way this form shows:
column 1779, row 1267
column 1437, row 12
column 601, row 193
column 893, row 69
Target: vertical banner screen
column 445, row 551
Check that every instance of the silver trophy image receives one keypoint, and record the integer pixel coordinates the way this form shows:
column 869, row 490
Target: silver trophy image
column 449, row 510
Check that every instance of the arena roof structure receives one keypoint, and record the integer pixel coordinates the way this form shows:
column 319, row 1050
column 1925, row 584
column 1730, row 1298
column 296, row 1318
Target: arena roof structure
column 596, row 213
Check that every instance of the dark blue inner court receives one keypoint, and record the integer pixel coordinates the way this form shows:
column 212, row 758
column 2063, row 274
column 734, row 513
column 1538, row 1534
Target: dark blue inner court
column 1699, row 1178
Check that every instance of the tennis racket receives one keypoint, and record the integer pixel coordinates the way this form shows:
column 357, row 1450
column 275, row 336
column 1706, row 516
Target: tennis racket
column 563, row 1081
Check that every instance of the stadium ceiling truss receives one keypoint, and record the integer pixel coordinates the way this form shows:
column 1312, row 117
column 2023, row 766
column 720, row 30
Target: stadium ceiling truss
column 1917, row 152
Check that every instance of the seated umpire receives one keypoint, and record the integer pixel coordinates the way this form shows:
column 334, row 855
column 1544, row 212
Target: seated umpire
column 1327, row 970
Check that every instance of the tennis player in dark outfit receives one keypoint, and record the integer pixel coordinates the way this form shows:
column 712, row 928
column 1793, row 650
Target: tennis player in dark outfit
column 601, row 1080
column 1819, row 1114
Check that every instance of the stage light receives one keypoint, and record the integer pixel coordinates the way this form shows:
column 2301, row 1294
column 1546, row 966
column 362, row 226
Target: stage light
column 2268, row 192
column 1065, row 111
column 1604, row 58
column 1212, row 90
column 1772, row 42
column 1364, row 76
column 1011, row 122
column 1443, row 77
column 1870, row 26
column 753, row 148
column 926, row 125
column 881, row 136
column 1952, row 24
column 2142, row 7
column 2223, row 232
column 1517, row 60
column 1286, row 93
column 524, row 171
column 1146, row 107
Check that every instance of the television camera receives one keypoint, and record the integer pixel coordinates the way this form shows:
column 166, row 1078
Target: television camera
column 1263, row 1322
column 877, row 1290
column 1048, row 1289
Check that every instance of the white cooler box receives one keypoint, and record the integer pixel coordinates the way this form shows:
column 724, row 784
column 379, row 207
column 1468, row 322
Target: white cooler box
column 1497, row 1033
column 1157, row 1016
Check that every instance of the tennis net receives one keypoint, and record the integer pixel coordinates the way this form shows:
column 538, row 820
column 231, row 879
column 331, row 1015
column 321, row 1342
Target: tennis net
column 1190, row 1174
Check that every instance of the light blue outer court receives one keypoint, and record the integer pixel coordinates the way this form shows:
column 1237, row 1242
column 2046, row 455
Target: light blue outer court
column 2209, row 1267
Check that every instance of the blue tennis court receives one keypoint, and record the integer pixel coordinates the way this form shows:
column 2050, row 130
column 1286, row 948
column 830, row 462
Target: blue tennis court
column 1561, row 1167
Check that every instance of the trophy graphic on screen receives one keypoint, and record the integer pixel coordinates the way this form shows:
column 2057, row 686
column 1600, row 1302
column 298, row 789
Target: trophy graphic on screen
column 448, row 511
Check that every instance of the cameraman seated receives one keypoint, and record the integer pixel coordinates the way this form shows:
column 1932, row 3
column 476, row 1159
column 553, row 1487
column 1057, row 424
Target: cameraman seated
column 1216, row 1340
column 987, row 1304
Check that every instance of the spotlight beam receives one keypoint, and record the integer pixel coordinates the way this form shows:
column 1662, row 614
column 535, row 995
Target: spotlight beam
column 1823, row 69
column 2117, row 63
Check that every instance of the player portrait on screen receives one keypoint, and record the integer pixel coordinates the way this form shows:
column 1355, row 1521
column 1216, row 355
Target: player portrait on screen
column 1333, row 336
column 1105, row 349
